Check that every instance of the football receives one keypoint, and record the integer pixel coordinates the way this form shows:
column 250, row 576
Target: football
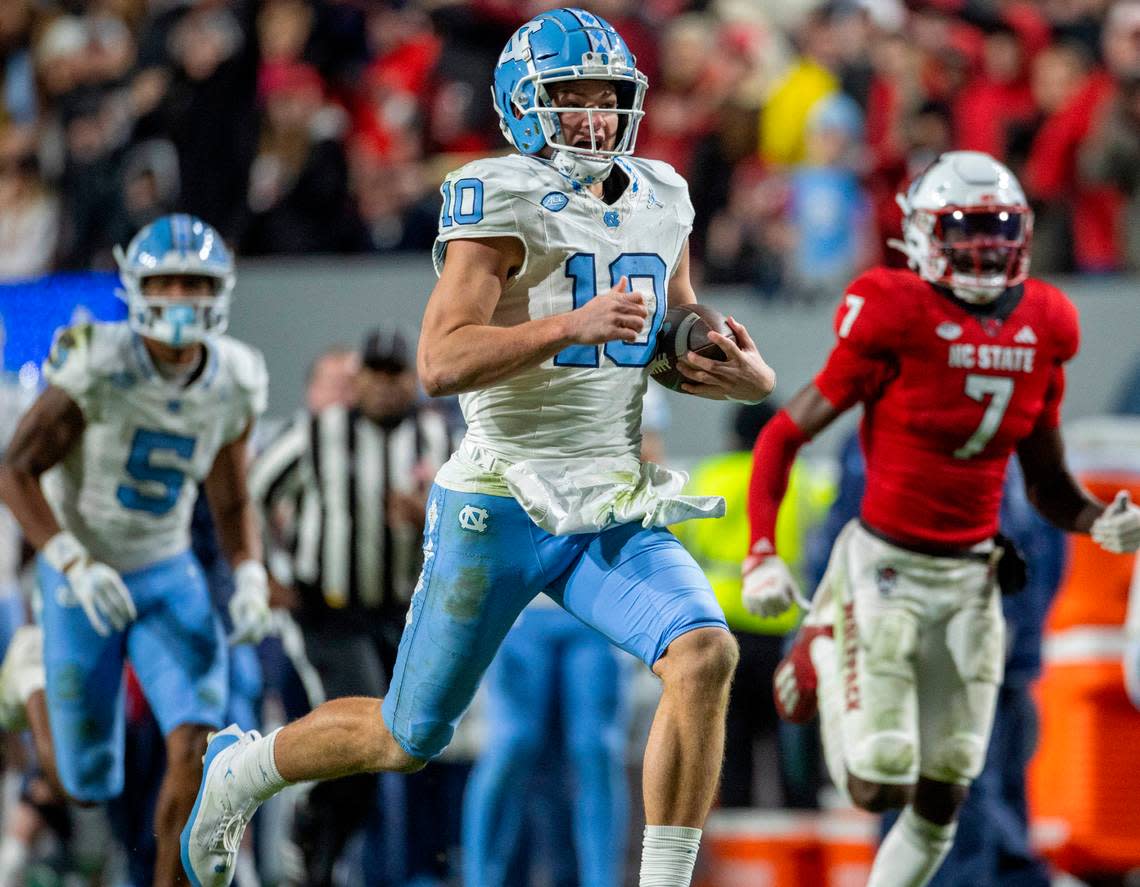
column 684, row 329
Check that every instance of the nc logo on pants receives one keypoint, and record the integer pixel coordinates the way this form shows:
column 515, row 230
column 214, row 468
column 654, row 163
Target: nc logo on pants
column 473, row 518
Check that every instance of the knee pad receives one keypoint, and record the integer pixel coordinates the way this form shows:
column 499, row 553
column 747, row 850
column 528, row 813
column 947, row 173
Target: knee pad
column 887, row 756
column 891, row 644
column 957, row 758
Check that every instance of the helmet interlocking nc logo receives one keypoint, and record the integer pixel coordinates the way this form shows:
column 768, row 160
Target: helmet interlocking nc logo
column 566, row 45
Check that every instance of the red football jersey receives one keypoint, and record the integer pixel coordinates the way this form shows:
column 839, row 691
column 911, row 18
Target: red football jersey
column 947, row 394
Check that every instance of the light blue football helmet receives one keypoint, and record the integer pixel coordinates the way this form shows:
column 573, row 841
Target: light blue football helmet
column 176, row 244
column 560, row 45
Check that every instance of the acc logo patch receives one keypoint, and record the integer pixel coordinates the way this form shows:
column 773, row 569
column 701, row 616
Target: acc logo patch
column 948, row 331
column 555, row 201
column 474, row 518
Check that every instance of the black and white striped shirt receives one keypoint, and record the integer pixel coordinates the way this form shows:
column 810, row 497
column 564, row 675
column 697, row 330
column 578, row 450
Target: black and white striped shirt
column 333, row 472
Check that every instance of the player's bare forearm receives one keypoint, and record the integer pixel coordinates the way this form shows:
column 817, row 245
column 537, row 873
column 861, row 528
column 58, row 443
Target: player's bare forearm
column 461, row 350
column 811, row 411
column 46, row 434
column 681, row 290
column 477, row 355
column 1050, row 486
column 232, row 508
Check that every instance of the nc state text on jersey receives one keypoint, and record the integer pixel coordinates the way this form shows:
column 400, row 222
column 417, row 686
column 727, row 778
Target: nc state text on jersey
column 992, row 357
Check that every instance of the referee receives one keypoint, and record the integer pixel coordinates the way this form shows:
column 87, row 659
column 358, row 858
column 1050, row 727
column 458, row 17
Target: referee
column 346, row 489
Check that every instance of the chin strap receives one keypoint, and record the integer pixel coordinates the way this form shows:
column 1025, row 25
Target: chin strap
column 581, row 170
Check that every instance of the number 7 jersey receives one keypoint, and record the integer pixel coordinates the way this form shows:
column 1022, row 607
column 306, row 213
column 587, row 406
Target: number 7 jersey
column 948, row 392
column 585, row 402
column 127, row 488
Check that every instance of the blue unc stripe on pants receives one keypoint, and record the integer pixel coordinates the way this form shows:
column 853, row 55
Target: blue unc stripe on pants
column 177, row 649
column 485, row 560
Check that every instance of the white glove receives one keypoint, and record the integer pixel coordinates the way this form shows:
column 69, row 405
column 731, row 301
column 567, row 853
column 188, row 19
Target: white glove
column 1118, row 528
column 769, row 589
column 94, row 586
column 249, row 607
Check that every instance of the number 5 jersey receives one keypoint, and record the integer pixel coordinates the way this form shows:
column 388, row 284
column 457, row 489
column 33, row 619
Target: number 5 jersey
column 127, row 488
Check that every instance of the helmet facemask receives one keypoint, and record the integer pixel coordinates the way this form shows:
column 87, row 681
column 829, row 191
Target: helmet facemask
column 179, row 321
column 978, row 252
column 586, row 159
column 967, row 226
column 177, row 245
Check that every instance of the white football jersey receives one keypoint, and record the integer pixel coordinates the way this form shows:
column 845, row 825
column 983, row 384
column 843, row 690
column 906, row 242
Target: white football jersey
column 585, row 402
column 127, row 489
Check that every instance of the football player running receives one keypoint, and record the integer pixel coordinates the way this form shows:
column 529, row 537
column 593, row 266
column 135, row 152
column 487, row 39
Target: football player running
column 959, row 362
column 556, row 267
column 136, row 414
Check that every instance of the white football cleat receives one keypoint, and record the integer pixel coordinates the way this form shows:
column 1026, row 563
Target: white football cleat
column 21, row 675
column 213, row 833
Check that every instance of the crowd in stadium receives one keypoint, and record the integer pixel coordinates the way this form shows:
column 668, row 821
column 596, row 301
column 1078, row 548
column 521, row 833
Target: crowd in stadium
column 325, row 126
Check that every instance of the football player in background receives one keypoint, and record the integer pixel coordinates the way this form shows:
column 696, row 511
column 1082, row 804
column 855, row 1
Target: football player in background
column 556, row 266
column 958, row 362
column 135, row 415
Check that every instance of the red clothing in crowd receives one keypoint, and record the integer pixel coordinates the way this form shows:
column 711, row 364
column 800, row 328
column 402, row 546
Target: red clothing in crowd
column 1051, row 174
column 985, row 110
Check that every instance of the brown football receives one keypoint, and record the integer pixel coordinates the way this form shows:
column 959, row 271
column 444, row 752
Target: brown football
column 684, row 329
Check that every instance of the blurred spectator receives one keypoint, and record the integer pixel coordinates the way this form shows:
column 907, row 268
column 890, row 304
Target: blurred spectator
column 681, row 106
column 811, row 78
column 298, row 187
column 997, row 97
column 1112, row 157
column 17, row 77
column 196, row 86
column 1057, row 72
column 116, row 88
column 715, row 158
column 398, row 209
column 29, row 213
column 1051, row 175
column 829, row 211
column 460, row 116
column 284, row 28
column 749, row 237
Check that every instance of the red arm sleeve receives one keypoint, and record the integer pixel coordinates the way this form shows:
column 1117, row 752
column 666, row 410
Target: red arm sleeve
column 772, row 459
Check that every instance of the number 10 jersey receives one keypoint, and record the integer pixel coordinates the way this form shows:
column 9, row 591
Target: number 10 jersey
column 585, row 402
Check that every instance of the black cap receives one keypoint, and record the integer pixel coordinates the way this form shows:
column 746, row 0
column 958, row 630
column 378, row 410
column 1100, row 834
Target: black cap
column 386, row 351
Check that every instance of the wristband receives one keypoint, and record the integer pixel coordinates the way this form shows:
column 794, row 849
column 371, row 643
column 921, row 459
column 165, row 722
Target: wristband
column 63, row 551
column 251, row 572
